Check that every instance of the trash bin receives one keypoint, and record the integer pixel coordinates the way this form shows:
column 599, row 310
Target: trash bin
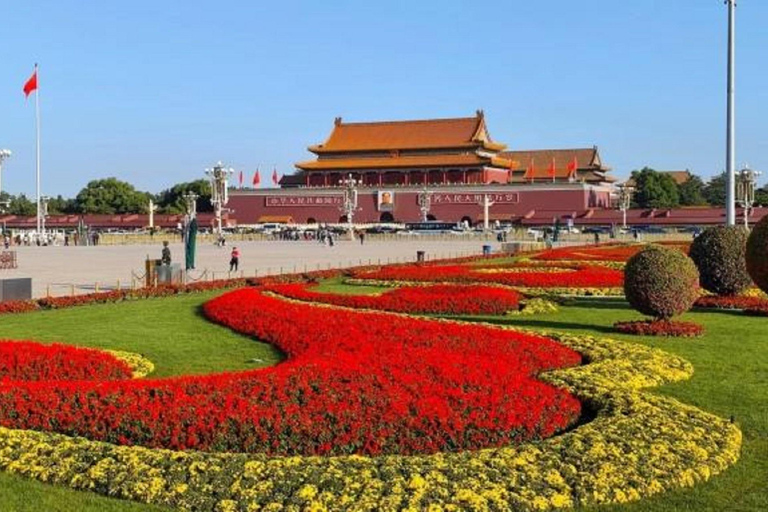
column 420, row 256
column 486, row 250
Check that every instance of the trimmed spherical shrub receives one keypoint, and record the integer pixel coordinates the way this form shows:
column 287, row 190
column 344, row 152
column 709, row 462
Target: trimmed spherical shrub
column 719, row 253
column 757, row 254
column 661, row 282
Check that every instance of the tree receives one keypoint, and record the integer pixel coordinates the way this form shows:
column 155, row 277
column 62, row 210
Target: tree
column 692, row 192
column 171, row 200
column 21, row 205
column 111, row 196
column 654, row 189
column 714, row 192
column 761, row 196
column 58, row 205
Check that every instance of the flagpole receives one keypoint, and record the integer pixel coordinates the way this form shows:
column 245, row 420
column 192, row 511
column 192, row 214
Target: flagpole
column 730, row 149
column 37, row 144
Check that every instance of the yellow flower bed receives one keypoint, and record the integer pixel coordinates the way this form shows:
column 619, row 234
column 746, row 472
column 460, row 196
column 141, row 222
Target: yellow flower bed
column 638, row 445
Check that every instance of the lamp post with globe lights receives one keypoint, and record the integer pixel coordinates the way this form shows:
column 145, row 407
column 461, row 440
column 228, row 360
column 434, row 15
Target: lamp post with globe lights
column 4, row 153
column 349, row 206
column 625, row 200
column 425, row 203
column 219, row 176
column 745, row 191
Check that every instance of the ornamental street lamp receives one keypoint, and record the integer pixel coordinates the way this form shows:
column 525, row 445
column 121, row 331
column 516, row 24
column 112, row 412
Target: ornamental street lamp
column 745, row 191
column 349, row 206
column 190, row 204
column 219, row 177
column 4, row 153
column 43, row 212
column 425, row 203
column 625, row 200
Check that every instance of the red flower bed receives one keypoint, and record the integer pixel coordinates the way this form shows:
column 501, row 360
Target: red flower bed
column 353, row 382
column 29, row 361
column 600, row 253
column 660, row 328
column 438, row 299
column 731, row 302
column 579, row 277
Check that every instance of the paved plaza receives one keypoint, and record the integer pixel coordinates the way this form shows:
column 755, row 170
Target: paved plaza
column 59, row 270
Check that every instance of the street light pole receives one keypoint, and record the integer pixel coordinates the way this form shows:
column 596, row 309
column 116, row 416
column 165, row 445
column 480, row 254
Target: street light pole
column 730, row 150
column 745, row 191
column 219, row 177
column 350, row 199
column 4, row 153
column 625, row 200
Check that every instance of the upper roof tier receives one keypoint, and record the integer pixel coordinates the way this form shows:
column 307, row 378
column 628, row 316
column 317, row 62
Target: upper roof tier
column 462, row 132
column 586, row 158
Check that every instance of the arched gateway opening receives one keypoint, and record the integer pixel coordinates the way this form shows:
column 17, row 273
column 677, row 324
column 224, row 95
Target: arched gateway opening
column 387, row 217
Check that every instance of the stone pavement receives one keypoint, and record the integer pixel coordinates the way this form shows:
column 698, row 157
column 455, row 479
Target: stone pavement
column 60, row 270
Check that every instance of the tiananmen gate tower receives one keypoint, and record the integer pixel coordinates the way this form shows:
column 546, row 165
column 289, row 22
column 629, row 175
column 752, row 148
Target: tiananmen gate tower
column 455, row 160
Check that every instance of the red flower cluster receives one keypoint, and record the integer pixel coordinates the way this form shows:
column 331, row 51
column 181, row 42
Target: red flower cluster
column 600, row 253
column 579, row 277
column 18, row 306
column 438, row 299
column 29, row 361
column 660, row 328
column 732, row 302
column 353, row 382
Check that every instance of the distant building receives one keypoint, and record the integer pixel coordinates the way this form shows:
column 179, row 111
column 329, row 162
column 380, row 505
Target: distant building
column 455, row 159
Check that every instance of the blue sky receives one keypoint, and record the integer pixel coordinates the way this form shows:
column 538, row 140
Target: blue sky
column 155, row 92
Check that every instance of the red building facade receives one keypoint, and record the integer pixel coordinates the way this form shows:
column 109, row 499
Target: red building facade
column 454, row 160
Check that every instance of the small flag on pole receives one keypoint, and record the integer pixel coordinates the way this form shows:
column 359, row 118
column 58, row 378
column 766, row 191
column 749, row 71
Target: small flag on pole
column 256, row 178
column 275, row 179
column 552, row 169
column 241, row 178
column 530, row 172
column 31, row 84
column 573, row 166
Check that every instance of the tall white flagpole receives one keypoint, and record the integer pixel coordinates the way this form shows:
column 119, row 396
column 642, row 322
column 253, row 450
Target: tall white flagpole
column 730, row 148
column 37, row 129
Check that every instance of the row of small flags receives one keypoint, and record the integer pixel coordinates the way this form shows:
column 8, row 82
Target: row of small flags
column 31, row 85
column 256, row 181
column 572, row 167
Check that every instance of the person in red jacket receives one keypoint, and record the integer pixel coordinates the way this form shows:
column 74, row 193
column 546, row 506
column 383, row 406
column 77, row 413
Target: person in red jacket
column 234, row 259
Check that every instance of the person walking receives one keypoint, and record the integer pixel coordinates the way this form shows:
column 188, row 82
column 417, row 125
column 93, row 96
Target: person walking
column 234, row 259
column 362, row 237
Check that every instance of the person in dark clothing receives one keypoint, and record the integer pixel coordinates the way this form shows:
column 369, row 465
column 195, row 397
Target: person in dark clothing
column 165, row 259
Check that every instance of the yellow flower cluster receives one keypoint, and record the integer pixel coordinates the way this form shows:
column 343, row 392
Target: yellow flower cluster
column 140, row 365
column 576, row 292
column 637, row 445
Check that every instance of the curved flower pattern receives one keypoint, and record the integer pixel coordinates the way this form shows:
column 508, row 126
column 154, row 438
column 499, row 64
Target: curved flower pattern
column 638, row 445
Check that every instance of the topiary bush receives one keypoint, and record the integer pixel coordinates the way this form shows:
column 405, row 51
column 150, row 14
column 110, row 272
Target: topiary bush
column 719, row 253
column 757, row 254
column 661, row 282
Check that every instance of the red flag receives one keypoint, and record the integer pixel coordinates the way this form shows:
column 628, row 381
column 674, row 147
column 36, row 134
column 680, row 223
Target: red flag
column 275, row 180
column 552, row 169
column 31, row 84
column 241, row 178
column 256, row 178
column 530, row 173
column 573, row 166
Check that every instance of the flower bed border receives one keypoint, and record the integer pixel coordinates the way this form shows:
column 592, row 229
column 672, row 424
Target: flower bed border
column 638, row 445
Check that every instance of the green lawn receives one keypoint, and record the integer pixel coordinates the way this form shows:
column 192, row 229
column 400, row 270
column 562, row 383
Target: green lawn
column 731, row 379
